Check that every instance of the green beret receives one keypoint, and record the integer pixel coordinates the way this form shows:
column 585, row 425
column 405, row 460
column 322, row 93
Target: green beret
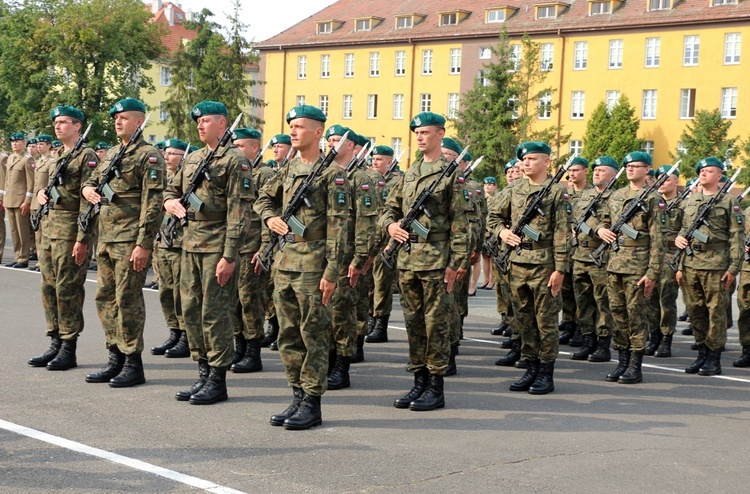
column 176, row 144
column 383, row 151
column 17, row 136
column 665, row 168
column 102, row 145
column 160, row 145
column 651, row 172
column 710, row 161
column 67, row 111
column 127, row 104
column 639, row 156
column 510, row 164
column 467, row 156
column 306, row 111
column 362, row 140
column 532, row 147
column 281, row 139
column 490, row 180
column 580, row 160
column 723, row 179
column 194, row 149
column 208, row 108
column 606, row 161
column 56, row 144
column 451, row 144
column 691, row 181
column 340, row 130
column 245, row 134
column 31, row 141
column 425, row 119
column 44, row 138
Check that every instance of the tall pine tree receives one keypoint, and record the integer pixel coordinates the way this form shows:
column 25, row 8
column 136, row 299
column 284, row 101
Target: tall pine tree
column 708, row 135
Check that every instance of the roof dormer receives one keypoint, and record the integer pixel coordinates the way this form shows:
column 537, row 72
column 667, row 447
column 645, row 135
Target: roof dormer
column 408, row 21
column 604, row 7
column 499, row 14
column 550, row 10
column 661, row 4
column 366, row 23
column 452, row 17
column 327, row 26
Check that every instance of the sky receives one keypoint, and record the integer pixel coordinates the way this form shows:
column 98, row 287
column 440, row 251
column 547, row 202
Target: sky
column 266, row 18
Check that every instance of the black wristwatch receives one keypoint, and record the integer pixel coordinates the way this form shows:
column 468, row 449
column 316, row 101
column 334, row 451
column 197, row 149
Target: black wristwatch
column 230, row 260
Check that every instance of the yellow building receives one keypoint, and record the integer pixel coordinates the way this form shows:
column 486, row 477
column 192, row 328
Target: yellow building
column 372, row 65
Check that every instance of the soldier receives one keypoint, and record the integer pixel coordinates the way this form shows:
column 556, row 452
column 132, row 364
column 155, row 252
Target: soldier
column 708, row 275
column 489, row 186
column 101, row 150
column 63, row 249
column 589, row 281
column 3, row 164
column 128, row 223
column 306, row 269
column 281, row 143
column 536, row 275
column 42, row 171
column 16, row 199
column 743, row 302
column 32, row 149
column 502, row 290
column 633, row 270
column 429, row 269
column 56, row 146
column 210, row 247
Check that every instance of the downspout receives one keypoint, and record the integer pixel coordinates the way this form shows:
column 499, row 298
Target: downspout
column 411, row 98
column 560, row 86
column 283, row 91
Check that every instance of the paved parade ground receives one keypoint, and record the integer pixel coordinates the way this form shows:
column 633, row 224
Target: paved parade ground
column 672, row 433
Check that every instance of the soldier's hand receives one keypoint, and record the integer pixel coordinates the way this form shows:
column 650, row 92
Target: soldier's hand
column 368, row 265
column 607, row 235
column 648, row 286
column 276, row 224
column 728, row 279
column 678, row 277
column 460, row 274
column 681, row 242
column 79, row 253
column 555, row 282
column 25, row 208
column 450, row 279
column 397, row 233
column 224, row 271
column 41, row 197
column 1, row 206
column 139, row 258
column 510, row 238
column 174, row 208
column 89, row 193
column 326, row 287
column 353, row 275
column 256, row 264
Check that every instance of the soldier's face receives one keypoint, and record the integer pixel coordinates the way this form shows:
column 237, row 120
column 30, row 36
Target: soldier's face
column 535, row 164
column 381, row 162
column 305, row 133
column 637, row 171
column 211, row 128
column 517, row 171
column 346, row 152
column 173, row 156
column 429, row 138
column 602, row 175
column 710, row 176
column 43, row 147
column 65, row 128
column 577, row 174
column 127, row 122
column 490, row 188
column 669, row 186
column 101, row 154
column 249, row 147
column 449, row 154
column 17, row 146
column 31, row 149
column 280, row 151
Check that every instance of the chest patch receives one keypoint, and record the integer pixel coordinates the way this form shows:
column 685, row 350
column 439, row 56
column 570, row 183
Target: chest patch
column 339, row 180
column 367, row 201
column 245, row 183
column 153, row 174
column 341, row 197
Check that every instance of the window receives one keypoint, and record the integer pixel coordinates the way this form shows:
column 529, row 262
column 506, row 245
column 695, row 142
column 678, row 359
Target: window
column 576, row 147
column 396, row 145
column 692, row 47
column 485, row 53
column 325, row 66
column 577, row 105
column 362, row 25
column 374, row 64
column 687, row 103
column 482, row 79
column 398, row 106
column 613, row 97
column 649, row 104
column 426, row 62
column 403, row 22
column 653, row 51
column 425, row 102
column 495, row 15
column 455, row 61
column 323, row 104
column 615, row 53
column 163, row 114
column 349, row 65
column 300, row 100
column 452, row 105
column 729, row 102
column 658, row 5
column 513, row 107
column 545, row 12
column 152, row 138
column 302, row 67
column 165, row 76
column 545, row 106
column 732, row 45
column 400, row 63
column 449, row 19
column 548, row 56
column 515, row 57
column 372, row 106
column 347, row 114
column 648, row 147
column 581, row 55
column 599, row 8
column 325, row 27
column 681, row 148
column 716, row 3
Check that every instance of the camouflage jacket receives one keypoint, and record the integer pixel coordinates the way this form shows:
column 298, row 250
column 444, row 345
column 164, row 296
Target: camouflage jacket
column 449, row 208
column 177, row 240
column 478, row 215
column 725, row 247
column 256, row 232
column 553, row 244
column 588, row 243
column 327, row 218
column 219, row 227
column 42, row 171
column 676, row 216
column 19, row 180
column 385, row 185
column 363, row 227
column 746, row 265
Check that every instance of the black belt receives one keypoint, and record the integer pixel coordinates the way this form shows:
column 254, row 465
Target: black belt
column 432, row 237
column 590, row 243
column 122, row 201
column 208, row 216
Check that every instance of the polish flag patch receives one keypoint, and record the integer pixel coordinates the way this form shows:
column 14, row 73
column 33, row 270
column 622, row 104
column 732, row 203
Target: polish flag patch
column 244, row 167
column 736, row 208
column 479, row 192
column 340, row 181
column 381, row 183
column 566, row 196
column 153, row 159
column 460, row 180
column 92, row 164
column 662, row 205
column 365, row 186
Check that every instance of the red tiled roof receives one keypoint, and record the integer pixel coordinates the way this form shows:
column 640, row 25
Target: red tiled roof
column 631, row 14
column 178, row 32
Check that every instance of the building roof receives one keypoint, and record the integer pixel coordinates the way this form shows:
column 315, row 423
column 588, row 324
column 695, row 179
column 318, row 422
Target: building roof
column 177, row 31
column 628, row 14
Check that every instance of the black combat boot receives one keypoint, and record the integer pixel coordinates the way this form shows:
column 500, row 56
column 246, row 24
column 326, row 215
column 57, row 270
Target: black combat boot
column 567, row 329
column 131, row 374
column 274, row 346
column 272, row 334
column 278, row 420
column 524, row 384
column 744, row 360
column 452, row 370
column 683, row 317
column 240, row 344
column 508, row 343
column 174, row 337
column 508, row 332
column 589, row 346
column 632, row 374
column 544, row 382
column 432, row 398
column 251, row 361
column 307, row 415
column 203, row 371
column 688, row 331
column 712, row 366
column 602, row 353
column 623, row 360
column 665, row 347
column 498, row 331
column 577, row 339
column 521, row 364
column 112, row 369
column 653, row 343
column 339, row 376
column 45, row 358
column 181, row 349
column 66, row 357
column 370, row 324
column 379, row 332
column 513, row 356
column 461, row 330
column 215, row 389
column 420, row 384
column 359, row 354
column 695, row 366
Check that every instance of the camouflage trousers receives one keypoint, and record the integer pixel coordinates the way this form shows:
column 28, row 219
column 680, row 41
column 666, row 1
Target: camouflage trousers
column 382, row 291
column 304, row 330
column 62, row 288
column 663, row 303
column 343, row 315
column 119, row 297
column 364, row 289
column 504, row 304
column 629, row 311
column 535, row 310
column 252, row 300
column 707, row 303
column 428, row 313
column 270, row 307
column 592, row 300
column 568, row 299
column 743, row 304
column 207, row 308
column 169, row 262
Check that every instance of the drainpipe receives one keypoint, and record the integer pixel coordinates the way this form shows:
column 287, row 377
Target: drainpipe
column 560, row 89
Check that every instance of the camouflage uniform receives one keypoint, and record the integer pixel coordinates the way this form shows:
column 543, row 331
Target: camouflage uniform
column 502, row 288
column 743, row 304
column 42, row 171
column 567, row 292
column 168, row 262
column 19, row 187
column 383, row 276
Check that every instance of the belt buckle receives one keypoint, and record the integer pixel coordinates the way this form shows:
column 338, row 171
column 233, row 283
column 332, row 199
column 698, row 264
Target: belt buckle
column 584, row 243
column 697, row 247
column 191, row 215
column 621, row 241
column 527, row 245
column 289, row 238
column 413, row 237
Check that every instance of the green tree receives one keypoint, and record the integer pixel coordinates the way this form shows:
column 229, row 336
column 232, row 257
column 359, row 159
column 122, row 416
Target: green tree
column 596, row 138
column 708, row 135
column 623, row 130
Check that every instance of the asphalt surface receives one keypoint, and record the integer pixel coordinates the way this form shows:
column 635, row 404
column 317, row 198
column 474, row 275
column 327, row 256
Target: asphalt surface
column 672, row 433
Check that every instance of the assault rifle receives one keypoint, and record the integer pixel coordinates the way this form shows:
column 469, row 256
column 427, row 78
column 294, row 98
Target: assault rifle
column 700, row 220
column 683, row 195
column 57, row 179
column 259, row 156
column 394, row 164
column 112, row 172
column 621, row 224
column 410, row 223
column 581, row 225
column 295, row 203
column 286, row 159
column 747, row 240
column 354, row 162
column 473, row 166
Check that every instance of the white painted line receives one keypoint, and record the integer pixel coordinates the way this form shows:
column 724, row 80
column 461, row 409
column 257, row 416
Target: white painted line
column 206, row 485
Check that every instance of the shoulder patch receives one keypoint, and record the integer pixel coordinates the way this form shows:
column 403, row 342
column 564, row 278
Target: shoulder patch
column 381, row 183
column 479, row 192
column 365, row 186
column 153, row 159
column 340, row 180
column 153, row 174
column 32, row 165
column 92, row 164
column 244, row 167
column 461, row 180
column 662, row 205
column 736, row 208
column 566, row 196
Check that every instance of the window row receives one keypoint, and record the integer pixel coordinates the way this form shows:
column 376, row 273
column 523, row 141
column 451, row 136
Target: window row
column 576, row 147
column 397, row 113
column 454, row 65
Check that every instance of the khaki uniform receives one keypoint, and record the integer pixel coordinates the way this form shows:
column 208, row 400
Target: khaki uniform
column 3, row 163
column 19, row 189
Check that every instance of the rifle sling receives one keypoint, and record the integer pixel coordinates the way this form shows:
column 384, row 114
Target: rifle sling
column 629, row 242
